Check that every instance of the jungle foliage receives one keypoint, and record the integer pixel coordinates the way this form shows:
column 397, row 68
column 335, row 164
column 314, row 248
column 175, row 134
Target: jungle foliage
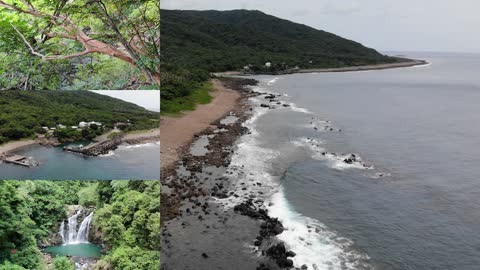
column 127, row 220
column 79, row 44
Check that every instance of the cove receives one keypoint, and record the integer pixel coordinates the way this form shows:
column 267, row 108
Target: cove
column 135, row 162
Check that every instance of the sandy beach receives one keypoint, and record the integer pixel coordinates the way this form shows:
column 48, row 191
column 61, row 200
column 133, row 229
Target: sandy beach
column 15, row 145
column 177, row 132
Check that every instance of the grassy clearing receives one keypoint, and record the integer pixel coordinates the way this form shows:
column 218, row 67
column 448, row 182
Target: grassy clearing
column 115, row 134
column 176, row 106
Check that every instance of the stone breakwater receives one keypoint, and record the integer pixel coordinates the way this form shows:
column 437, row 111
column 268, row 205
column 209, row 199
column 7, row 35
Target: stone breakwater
column 97, row 149
column 104, row 147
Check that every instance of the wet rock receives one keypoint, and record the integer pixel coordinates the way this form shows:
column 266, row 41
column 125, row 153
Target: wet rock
column 291, row 254
column 263, row 266
column 348, row 160
column 278, row 253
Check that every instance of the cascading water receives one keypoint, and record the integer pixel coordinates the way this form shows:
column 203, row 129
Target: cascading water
column 73, row 236
column 82, row 235
column 62, row 231
column 72, row 228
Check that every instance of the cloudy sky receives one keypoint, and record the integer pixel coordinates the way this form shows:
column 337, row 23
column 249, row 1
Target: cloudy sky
column 387, row 25
column 149, row 99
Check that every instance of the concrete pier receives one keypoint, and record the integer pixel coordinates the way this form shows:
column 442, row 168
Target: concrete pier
column 17, row 159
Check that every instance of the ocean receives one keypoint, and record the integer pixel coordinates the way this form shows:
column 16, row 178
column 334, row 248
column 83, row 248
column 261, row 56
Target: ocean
column 374, row 169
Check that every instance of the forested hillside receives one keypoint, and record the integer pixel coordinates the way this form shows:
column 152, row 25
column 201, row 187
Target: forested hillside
column 195, row 43
column 79, row 45
column 127, row 218
column 26, row 112
column 229, row 40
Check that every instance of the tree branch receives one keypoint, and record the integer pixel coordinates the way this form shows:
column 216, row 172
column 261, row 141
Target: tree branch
column 52, row 57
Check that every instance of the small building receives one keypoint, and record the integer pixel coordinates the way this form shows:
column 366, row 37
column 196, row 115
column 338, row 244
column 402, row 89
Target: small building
column 95, row 123
column 61, row 126
column 268, row 64
column 85, row 124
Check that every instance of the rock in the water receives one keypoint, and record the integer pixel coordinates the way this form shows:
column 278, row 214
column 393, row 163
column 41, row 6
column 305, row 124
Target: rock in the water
column 279, row 254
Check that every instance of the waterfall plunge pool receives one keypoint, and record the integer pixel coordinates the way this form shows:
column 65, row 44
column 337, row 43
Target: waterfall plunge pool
column 75, row 238
column 84, row 250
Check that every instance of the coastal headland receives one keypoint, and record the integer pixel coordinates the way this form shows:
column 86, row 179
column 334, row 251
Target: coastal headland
column 409, row 63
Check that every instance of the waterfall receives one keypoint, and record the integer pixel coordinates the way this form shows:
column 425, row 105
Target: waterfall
column 73, row 236
column 82, row 235
column 62, row 231
column 72, row 228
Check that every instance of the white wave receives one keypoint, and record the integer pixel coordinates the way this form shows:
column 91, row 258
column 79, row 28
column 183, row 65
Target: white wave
column 314, row 244
column 335, row 161
column 109, row 154
column 294, row 108
column 250, row 162
column 420, row 66
column 151, row 144
column 273, row 81
column 338, row 161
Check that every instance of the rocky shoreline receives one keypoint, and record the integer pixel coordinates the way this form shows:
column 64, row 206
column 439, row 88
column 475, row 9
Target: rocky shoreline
column 191, row 216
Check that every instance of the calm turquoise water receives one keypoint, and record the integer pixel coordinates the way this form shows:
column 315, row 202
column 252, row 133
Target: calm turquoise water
column 136, row 162
column 418, row 208
column 77, row 250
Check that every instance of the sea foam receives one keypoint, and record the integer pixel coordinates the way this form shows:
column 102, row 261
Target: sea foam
column 315, row 245
column 335, row 161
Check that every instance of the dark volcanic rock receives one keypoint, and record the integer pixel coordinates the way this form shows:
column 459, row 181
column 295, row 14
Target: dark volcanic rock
column 278, row 253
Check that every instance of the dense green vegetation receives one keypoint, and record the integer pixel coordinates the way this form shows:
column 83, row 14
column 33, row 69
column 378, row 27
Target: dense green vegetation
column 24, row 113
column 58, row 44
column 127, row 219
column 230, row 40
column 195, row 43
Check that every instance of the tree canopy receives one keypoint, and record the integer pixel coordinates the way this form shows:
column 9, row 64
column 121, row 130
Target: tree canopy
column 126, row 220
column 82, row 39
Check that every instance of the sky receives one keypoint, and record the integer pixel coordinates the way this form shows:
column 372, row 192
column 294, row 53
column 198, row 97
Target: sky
column 148, row 99
column 386, row 25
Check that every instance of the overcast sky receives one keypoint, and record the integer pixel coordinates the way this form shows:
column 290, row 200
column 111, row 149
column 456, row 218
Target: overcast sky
column 149, row 99
column 387, row 25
